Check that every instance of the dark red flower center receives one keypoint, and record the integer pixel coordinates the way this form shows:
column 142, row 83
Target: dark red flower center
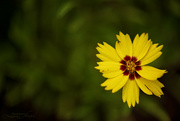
column 130, row 65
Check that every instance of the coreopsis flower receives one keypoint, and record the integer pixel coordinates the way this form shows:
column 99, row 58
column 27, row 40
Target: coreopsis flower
column 125, row 67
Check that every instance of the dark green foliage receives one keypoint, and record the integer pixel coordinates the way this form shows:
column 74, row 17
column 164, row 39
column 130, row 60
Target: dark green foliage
column 47, row 58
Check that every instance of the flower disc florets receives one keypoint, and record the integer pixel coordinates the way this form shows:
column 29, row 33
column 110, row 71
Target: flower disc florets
column 130, row 66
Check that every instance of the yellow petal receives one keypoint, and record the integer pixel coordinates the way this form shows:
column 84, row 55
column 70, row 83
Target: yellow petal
column 124, row 47
column 137, row 93
column 154, row 86
column 142, row 86
column 114, row 81
column 141, row 46
column 153, row 53
column 159, row 83
column 136, row 39
column 133, row 94
column 112, row 74
column 118, row 50
column 108, row 52
column 124, row 93
column 108, row 66
column 130, row 93
column 150, row 73
column 150, row 59
column 120, row 83
column 105, row 83
column 103, row 58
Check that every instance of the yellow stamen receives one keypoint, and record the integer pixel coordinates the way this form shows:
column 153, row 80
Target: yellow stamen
column 130, row 66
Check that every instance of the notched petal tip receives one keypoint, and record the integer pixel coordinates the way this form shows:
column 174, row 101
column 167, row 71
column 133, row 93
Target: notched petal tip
column 158, row 96
column 106, row 88
column 161, row 46
column 137, row 35
column 97, row 55
column 118, row 37
column 99, row 44
column 133, row 105
column 98, row 63
column 114, row 91
column 164, row 71
column 120, row 33
column 97, row 67
column 105, row 44
column 103, row 84
column 129, row 105
column 143, row 34
column 162, row 93
column 137, row 101
column 98, row 48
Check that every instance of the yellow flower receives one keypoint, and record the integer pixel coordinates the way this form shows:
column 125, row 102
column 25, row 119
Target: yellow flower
column 124, row 67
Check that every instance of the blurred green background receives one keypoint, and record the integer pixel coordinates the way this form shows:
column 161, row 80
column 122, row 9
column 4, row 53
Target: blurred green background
column 47, row 58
